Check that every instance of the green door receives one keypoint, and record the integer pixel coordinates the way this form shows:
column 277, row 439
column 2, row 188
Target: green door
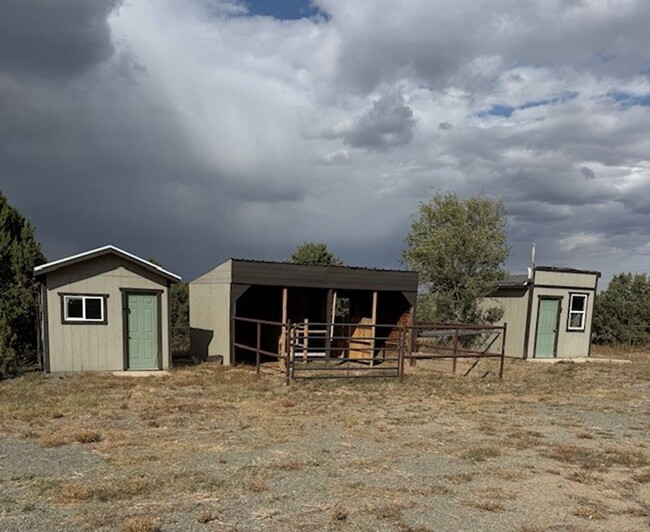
column 142, row 339
column 546, row 328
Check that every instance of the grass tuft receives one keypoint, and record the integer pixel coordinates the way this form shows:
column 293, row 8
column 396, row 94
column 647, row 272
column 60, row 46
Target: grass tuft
column 206, row 516
column 140, row 524
column 481, row 454
column 87, row 436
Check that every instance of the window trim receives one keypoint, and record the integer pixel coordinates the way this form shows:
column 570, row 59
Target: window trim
column 570, row 312
column 83, row 321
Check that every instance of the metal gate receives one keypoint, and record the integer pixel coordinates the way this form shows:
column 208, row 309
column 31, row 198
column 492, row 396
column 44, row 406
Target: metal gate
column 344, row 350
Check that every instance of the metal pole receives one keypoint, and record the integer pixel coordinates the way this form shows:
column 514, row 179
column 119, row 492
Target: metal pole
column 503, row 350
column 258, row 346
column 455, row 350
column 287, row 352
column 400, row 355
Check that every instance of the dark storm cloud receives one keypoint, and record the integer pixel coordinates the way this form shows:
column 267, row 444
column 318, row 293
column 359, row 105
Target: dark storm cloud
column 203, row 140
column 388, row 124
column 54, row 38
column 587, row 172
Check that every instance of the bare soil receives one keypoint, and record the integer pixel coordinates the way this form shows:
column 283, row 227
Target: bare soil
column 551, row 447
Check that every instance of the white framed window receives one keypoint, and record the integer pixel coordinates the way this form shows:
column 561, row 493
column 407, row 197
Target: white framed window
column 84, row 308
column 577, row 312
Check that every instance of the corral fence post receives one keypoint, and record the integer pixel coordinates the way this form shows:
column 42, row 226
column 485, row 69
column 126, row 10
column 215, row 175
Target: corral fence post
column 258, row 346
column 453, row 363
column 288, row 366
column 400, row 354
column 503, row 350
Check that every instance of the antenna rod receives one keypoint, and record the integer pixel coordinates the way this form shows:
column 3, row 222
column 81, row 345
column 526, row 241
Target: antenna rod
column 532, row 255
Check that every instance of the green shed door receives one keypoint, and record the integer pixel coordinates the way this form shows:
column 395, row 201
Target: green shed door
column 546, row 328
column 142, row 339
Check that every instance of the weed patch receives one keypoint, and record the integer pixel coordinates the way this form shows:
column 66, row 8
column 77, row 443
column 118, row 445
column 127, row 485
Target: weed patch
column 481, row 454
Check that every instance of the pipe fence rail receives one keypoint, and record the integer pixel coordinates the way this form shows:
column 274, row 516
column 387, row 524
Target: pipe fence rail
column 312, row 350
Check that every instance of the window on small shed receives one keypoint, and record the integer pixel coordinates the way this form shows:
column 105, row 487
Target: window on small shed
column 577, row 312
column 83, row 309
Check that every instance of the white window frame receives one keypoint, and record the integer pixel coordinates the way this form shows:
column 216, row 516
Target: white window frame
column 83, row 317
column 582, row 313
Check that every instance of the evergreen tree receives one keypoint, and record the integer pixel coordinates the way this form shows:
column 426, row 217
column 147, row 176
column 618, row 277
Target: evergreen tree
column 19, row 254
column 314, row 253
column 622, row 311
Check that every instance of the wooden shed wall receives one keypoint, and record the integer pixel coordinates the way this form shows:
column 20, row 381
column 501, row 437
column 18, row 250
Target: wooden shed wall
column 515, row 307
column 210, row 309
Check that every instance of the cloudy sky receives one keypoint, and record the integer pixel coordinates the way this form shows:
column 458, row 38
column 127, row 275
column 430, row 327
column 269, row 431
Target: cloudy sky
column 196, row 130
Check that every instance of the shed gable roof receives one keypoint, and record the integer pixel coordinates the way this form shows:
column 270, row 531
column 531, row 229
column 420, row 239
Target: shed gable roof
column 99, row 252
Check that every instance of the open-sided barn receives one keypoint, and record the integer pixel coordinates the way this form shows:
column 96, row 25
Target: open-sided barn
column 282, row 292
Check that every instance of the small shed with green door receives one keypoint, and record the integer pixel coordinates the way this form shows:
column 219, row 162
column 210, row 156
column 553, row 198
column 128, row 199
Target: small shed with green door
column 104, row 310
column 549, row 312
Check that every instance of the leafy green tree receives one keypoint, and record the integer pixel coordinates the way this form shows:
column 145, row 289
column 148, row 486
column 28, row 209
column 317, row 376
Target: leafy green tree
column 622, row 311
column 314, row 253
column 459, row 247
column 179, row 309
column 19, row 254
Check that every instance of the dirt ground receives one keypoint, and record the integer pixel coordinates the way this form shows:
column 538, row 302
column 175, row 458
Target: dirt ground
column 551, row 447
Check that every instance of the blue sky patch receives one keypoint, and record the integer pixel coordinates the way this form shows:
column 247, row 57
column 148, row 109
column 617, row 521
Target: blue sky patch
column 497, row 110
column 507, row 110
column 283, row 9
column 627, row 99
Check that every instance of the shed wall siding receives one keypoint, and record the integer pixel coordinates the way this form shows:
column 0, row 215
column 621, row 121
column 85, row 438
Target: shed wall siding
column 210, row 320
column 220, row 274
column 565, row 279
column 90, row 347
column 515, row 307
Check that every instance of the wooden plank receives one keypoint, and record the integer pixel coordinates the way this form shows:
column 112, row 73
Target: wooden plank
column 305, row 339
column 359, row 339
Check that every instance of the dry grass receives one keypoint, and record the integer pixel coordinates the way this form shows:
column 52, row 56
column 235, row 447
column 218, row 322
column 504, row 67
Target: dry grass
column 591, row 511
column 487, row 504
column 339, row 513
column 103, row 491
column 481, row 454
column 642, row 477
column 140, row 524
column 206, row 516
column 598, row 459
column 87, row 436
column 207, row 433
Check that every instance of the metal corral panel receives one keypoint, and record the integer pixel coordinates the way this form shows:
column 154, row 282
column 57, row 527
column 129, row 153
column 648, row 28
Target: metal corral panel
column 90, row 346
column 210, row 319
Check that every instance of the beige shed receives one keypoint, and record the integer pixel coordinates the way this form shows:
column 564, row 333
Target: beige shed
column 104, row 310
column 549, row 312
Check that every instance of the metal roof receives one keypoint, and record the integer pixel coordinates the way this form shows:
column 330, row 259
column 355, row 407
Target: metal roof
column 342, row 266
column 287, row 274
column 98, row 252
column 517, row 280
